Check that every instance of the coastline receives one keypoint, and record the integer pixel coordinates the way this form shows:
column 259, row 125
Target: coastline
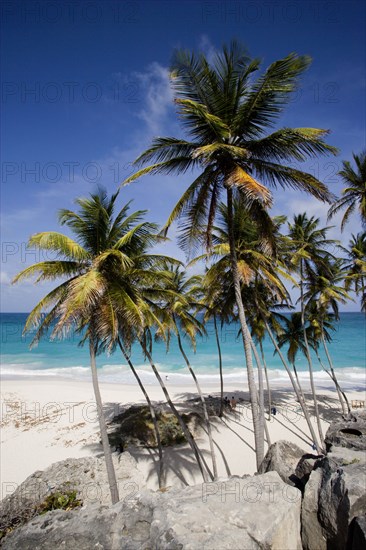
column 51, row 419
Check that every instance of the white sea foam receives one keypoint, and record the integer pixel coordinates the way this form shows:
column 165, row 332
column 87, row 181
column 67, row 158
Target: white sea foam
column 348, row 377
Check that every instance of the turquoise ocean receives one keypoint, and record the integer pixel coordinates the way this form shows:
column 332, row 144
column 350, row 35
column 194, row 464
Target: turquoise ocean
column 66, row 359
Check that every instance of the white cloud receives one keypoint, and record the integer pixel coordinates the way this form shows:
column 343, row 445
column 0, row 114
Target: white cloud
column 4, row 278
column 207, row 48
column 157, row 96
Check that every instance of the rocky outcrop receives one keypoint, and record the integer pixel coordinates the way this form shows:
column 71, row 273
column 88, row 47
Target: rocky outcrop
column 336, row 491
column 253, row 513
column 87, row 476
column 290, row 462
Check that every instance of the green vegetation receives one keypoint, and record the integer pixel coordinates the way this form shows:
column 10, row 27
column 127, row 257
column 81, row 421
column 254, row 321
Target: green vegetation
column 59, row 500
column 135, row 426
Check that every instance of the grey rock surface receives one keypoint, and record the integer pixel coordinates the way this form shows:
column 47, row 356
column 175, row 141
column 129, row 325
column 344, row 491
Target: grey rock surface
column 349, row 432
column 253, row 513
column 312, row 535
column 290, row 462
column 342, row 495
column 87, row 476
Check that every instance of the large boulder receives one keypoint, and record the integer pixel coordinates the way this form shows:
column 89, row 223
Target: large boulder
column 312, row 535
column 342, row 494
column 86, row 476
column 290, row 462
column 336, row 491
column 253, row 513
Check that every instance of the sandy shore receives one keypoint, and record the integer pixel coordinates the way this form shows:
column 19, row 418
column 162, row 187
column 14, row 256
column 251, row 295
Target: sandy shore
column 43, row 421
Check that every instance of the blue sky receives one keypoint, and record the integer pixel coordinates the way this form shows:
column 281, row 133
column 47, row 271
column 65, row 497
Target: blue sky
column 85, row 88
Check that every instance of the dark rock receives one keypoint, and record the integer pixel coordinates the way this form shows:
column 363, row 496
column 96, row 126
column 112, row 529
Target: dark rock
column 357, row 534
column 348, row 432
column 290, row 462
column 342, row 494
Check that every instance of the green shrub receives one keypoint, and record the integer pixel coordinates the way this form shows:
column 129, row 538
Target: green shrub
column 59, row 501
column 135, row 425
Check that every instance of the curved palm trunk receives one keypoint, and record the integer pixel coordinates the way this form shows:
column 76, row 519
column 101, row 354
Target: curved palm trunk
column 184, row 428
column 267, row 381
column 298, row 392
column 152, row 412
column 341, row 394
column 113, row 487
column 308, row 357
column 257, row 425
column 298, row 381
column 220, row 368
column 260, row 394
column 205, row 413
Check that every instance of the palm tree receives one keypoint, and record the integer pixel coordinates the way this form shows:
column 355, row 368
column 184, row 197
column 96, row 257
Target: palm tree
column 324, row 292
column 355, row 267
column 216, row 306
column 227, row 115
column 321, row 322
column 354, row 194
column 84, row 263
column 266, row 305
column 292, row 335
column 181, row 301
column 308, row 246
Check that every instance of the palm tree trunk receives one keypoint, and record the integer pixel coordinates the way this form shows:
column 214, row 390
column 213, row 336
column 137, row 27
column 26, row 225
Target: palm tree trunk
column 220, row 368
column 298, row 392
column 308, row 357
column 257, row 425
column 260, row 394
column 184, row 428
column 340, row 397
column 298, row 380
column 205, row 413
column 113, row 487
column 152, row 412
column 267, row 381
column 341, row 393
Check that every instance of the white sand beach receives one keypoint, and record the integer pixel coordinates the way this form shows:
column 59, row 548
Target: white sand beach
column 44, row 421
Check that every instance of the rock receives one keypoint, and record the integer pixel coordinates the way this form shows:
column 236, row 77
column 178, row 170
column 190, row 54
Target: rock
column 87, row 476
column 312, row 535
column 98, row 527
column 290, row 462
column 357, row 534
column 349, row 432
column 342, row 494
column 254, row 512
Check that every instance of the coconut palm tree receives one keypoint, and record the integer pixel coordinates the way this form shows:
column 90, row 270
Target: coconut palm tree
column 324, row 291
column 84, row 264
column 355, row 267
column 227, row 115
column 292, row 336
column 269, row 300
column 354, row 194
column 308, row 246
column 216, row 306
column 180, row 302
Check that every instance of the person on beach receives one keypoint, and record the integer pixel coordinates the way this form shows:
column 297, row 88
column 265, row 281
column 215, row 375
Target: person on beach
column 233, row 403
